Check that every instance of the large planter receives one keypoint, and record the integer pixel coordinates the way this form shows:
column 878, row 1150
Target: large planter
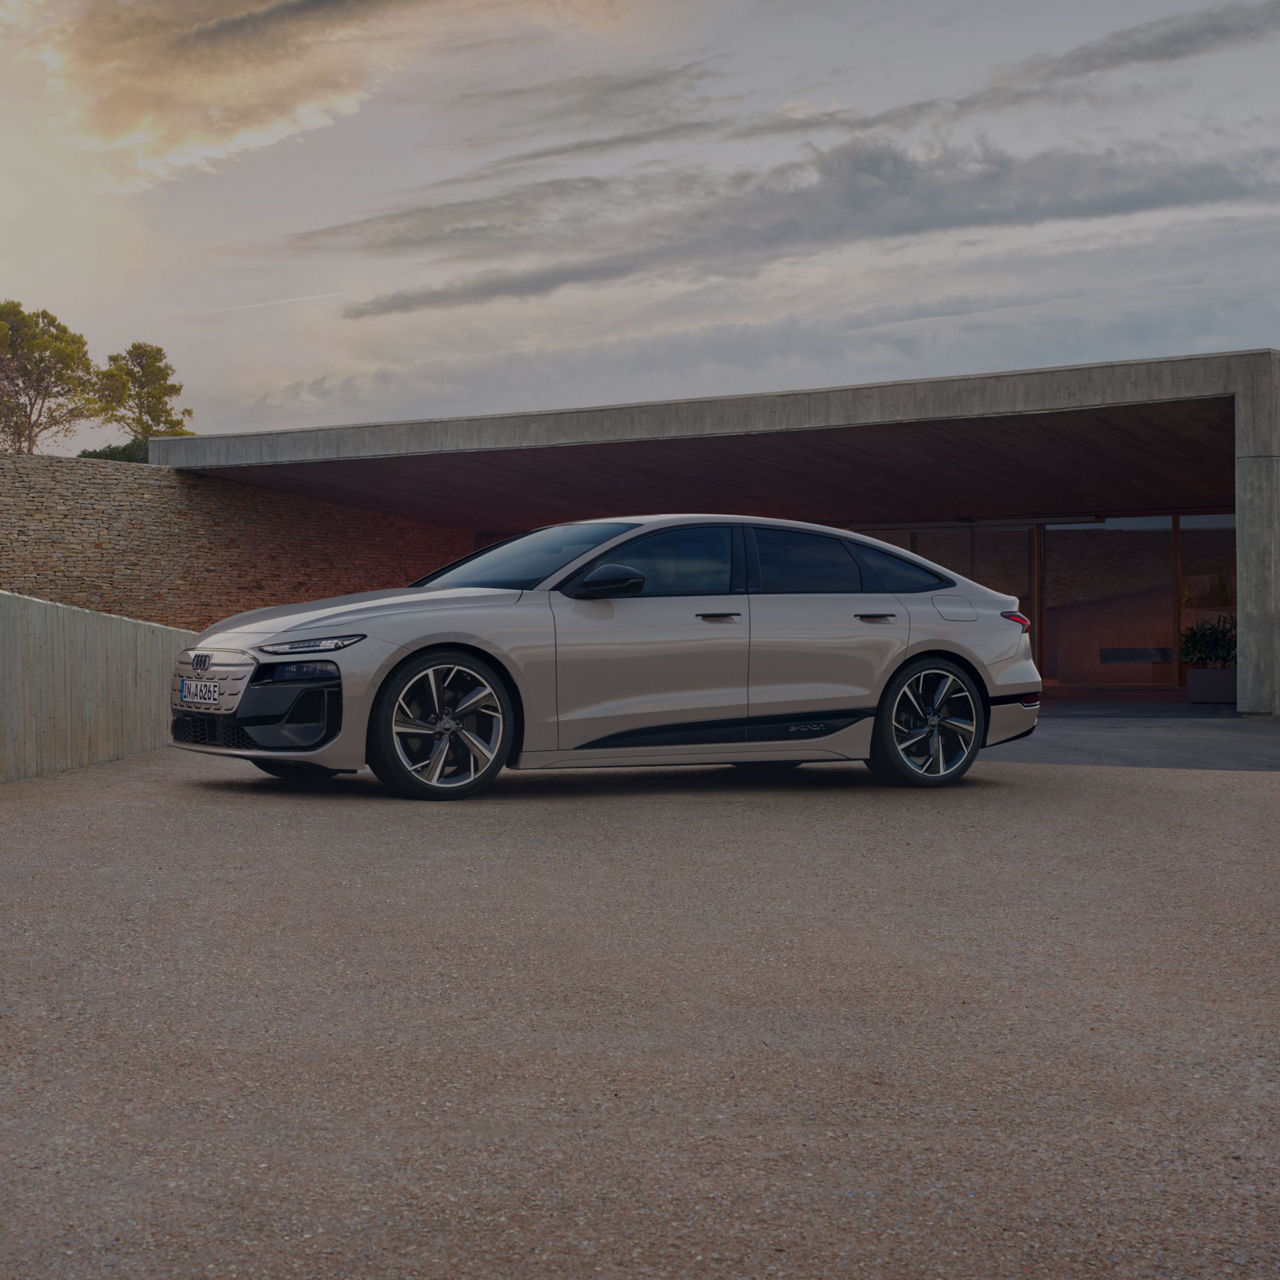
column 1211, row 684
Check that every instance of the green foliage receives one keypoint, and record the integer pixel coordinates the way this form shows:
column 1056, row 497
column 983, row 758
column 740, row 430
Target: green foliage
column 47, row 382
column 132, row 451
column 1211, row 644
column 137, row 392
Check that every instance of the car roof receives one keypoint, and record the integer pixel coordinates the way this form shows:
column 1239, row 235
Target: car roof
column 703, row 517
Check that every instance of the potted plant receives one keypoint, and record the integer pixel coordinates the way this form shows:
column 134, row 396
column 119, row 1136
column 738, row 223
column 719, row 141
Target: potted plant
column 1209, row 653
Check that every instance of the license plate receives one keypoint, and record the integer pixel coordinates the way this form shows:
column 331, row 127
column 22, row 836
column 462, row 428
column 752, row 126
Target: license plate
column 198, row 693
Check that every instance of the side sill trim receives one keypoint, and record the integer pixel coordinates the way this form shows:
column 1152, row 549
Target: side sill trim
column 784, row 728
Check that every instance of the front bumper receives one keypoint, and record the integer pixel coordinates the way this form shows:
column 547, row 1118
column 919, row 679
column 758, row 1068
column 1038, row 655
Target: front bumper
column 256, row 713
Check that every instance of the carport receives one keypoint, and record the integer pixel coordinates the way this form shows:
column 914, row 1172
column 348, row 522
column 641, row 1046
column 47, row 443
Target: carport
column 1104, row 495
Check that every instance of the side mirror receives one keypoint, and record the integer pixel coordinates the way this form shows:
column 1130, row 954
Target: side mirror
column 607, row 580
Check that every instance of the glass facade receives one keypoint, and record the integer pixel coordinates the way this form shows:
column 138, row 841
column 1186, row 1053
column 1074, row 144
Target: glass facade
column 1108, row 612
column 1110, row 598
column 1207, row 589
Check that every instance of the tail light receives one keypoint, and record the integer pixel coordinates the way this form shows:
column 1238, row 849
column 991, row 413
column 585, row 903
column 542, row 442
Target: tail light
column 1020, row 618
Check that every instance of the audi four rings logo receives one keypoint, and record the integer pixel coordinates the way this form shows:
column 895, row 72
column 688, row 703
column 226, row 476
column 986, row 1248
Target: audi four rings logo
column 200, row 662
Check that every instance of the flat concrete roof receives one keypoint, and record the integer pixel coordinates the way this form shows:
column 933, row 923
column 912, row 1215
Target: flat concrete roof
column 973, row 395
column 1105, row 439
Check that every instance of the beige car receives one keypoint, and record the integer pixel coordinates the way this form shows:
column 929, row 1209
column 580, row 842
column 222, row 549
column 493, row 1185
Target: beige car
column 656, row 640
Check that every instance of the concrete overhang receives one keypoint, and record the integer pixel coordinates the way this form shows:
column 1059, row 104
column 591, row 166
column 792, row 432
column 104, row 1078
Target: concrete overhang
column 1192, row 433
column 1102, row 439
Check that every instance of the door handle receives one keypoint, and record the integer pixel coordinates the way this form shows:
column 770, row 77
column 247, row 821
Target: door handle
column 876, row 617
column 718, row 617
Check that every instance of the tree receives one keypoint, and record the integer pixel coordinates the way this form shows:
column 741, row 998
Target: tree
column 47, row 382
column 137, row 393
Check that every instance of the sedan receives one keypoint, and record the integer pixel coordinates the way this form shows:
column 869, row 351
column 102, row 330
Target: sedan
column 653, row 640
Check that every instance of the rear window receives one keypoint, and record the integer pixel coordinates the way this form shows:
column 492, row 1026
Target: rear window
column 898, row 575
column 795, row 563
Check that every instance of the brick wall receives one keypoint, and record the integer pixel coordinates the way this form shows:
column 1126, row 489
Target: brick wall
column 158, row 545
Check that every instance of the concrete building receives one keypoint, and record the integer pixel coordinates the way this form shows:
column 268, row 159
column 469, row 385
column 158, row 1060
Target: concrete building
column 1121, row 502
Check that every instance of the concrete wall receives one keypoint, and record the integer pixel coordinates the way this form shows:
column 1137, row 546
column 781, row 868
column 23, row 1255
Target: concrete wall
column 78, row 687
column 1258, row 537
column 186, row 550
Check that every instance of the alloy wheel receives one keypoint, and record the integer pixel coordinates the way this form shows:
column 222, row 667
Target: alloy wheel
column 934, row 723
column 447, row 725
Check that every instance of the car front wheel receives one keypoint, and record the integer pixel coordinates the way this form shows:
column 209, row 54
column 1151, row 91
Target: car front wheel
column 441, row 727
column 929, row 725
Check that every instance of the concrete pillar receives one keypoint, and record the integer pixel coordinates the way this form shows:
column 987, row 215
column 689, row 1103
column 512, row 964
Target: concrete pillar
column 1258, row 535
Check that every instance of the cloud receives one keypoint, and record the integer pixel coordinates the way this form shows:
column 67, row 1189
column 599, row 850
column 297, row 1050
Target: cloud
column 678, row 130
column 1183, row 291
column 1049, row 76
column 554, row 210
column 649, row 105
column 621, row 95
column 160, row 84
column 859, row 190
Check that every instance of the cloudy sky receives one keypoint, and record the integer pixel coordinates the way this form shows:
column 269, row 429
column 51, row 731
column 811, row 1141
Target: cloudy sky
column 347, row 210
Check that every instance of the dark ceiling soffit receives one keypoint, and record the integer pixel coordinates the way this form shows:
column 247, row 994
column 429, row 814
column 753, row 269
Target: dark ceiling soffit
column 764, row 432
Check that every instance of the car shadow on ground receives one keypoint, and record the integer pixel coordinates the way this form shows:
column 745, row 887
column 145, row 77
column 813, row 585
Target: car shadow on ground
column 523, row 786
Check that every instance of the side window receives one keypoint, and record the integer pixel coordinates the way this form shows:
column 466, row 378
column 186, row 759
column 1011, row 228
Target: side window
column 697, row 561
column 899, row 575
column 795, row 563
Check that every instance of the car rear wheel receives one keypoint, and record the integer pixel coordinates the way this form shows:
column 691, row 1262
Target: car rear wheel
column 929, row 725
column 441, row 727
column 294, row 770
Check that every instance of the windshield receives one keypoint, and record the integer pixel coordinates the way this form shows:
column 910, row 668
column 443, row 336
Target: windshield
column 522, row 562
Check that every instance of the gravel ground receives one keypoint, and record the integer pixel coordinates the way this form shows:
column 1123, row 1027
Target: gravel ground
column 675, row 1023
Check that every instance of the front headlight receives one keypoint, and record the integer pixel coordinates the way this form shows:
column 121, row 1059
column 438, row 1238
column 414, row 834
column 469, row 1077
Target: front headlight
column 326, row 645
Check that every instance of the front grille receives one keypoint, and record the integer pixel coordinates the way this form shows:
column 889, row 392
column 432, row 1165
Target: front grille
column 202, row 729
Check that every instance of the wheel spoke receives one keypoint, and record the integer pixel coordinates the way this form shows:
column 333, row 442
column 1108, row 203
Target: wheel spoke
column 435, row 692
column 906, row 688
column 477, row 700
column 910, row 741
column 434, row 763
column 411, row 725
column 943, row 693
column 936, row 748
column 965, row 727
column 480, row 751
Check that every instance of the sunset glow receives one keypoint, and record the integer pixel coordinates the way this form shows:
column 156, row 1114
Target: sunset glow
column 337, row 210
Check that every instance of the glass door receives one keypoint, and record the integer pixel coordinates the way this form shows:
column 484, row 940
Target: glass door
column 1109, row 596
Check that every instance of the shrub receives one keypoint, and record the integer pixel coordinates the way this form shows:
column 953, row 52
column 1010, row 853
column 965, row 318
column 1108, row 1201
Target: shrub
column 1211, row 644
column 132, row 451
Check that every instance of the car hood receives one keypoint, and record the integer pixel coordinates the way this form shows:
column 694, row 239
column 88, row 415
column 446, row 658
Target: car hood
column 358, row 612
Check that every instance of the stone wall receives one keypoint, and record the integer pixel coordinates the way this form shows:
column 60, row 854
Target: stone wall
column 163, row 546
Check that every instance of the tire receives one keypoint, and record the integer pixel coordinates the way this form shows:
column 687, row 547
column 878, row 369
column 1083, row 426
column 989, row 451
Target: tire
column 465, row 720
column 929, row 727
column 295, row 770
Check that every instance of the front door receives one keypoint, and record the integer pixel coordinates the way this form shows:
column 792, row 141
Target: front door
column 668, row 667
column 821, row 646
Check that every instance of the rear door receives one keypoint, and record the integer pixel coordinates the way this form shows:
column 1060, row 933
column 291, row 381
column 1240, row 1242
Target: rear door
column 823, row 641
column 665, row 668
